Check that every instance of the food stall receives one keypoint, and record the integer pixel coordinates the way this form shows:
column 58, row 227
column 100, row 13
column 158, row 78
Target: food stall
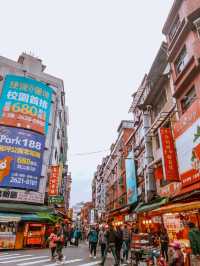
column 144, row 249
column 175, row 218
column 34, row 234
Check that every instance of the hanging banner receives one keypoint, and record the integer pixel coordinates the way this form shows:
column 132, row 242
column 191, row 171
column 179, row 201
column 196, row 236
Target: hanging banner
column 131, row 179
column 54, row 180
column 21, row 154
column 187, row 135
column 25, row 103
column 170, row 167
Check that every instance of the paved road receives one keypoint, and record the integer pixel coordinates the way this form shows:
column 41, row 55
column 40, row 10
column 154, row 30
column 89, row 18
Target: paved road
column 40, row 257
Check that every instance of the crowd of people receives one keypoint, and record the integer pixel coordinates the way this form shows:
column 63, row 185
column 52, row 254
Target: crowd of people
column 117, row 241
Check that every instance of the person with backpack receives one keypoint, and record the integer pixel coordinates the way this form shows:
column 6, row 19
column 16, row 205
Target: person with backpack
column 52, row 243
column 93, row 239
column 111, row 240
column 77, row 236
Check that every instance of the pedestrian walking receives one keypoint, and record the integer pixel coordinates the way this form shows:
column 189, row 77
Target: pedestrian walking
column 93, row 239
column 52, row 243
column 111, row 240
column 126, row 243
column 118, row 243
column 164, row 243
column 77, row 236
column 102, row 240
column 177, row 257
column 71, row 236
column 59, row 246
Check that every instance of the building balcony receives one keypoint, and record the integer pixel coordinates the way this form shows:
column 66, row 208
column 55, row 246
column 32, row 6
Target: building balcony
column 186, row 75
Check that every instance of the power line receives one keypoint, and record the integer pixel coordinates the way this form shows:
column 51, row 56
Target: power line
column 88, row 153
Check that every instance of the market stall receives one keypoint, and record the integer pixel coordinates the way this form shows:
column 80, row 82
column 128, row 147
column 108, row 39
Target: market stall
column 8, row 229
column 175, row 218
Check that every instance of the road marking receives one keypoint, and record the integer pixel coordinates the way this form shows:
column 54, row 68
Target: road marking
column 33, row 262
column 9, row 256
column 3, row 254
column 65, row 262
column 90, row 263
column 31, row 257
column 16, row 257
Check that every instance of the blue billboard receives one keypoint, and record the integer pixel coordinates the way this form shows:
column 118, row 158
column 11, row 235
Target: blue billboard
column 25, row 103
column 131, row 183
column 21, row 156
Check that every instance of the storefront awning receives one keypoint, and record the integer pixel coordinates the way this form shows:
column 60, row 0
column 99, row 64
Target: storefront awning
column 24, row 208
column 152, row 206
column 39, row 217
column 177, row 207
column 9, row 217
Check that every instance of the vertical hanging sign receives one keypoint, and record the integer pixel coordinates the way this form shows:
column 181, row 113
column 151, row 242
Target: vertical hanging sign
column 54, row 181
column 170, row 166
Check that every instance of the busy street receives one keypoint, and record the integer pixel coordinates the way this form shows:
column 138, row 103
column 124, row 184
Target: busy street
column 100, row 133
column 41, row 257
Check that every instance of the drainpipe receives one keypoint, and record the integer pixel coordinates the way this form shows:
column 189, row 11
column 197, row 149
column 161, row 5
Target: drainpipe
column 150, row 185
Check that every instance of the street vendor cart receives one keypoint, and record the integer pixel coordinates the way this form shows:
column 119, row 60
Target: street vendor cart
column 143, row 252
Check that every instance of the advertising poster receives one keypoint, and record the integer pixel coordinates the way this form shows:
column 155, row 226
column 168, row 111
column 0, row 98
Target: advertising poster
column 54, row 180
column 21, row 154
column 25, row 103
column 169, row 161
column 187, row 135
column 131, row 179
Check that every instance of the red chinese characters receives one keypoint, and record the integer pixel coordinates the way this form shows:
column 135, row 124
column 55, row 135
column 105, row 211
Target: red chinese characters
column 54, row 181
column 169, row 155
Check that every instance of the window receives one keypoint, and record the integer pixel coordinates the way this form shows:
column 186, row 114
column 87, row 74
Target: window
column 188, row 99
column 181, row 61
column 174, row 28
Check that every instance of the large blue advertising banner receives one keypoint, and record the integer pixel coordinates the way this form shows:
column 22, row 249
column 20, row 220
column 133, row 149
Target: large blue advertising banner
column 131, row 183
column 25, row 103
column 21, row 154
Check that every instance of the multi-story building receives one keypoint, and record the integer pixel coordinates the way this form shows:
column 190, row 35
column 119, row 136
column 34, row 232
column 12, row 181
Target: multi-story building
column 157, row 109
column 86, row 213
column 182, row 31
column 115, row 173
column 33, row 125
column 101, row 191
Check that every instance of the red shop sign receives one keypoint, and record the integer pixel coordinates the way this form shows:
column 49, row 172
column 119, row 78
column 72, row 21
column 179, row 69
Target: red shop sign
column 169, row 160
column 54, row 181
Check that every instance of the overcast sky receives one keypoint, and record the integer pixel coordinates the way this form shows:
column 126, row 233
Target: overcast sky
column 101, row 49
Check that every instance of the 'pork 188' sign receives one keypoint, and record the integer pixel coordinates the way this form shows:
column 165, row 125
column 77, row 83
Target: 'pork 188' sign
column 21, row 153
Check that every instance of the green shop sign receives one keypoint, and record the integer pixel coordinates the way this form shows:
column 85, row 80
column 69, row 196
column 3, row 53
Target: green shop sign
column 56, row 199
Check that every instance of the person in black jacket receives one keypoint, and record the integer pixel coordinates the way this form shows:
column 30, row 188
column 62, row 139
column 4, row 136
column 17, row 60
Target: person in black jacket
column 118, row 243
column 164, row 243
column 111, row 237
